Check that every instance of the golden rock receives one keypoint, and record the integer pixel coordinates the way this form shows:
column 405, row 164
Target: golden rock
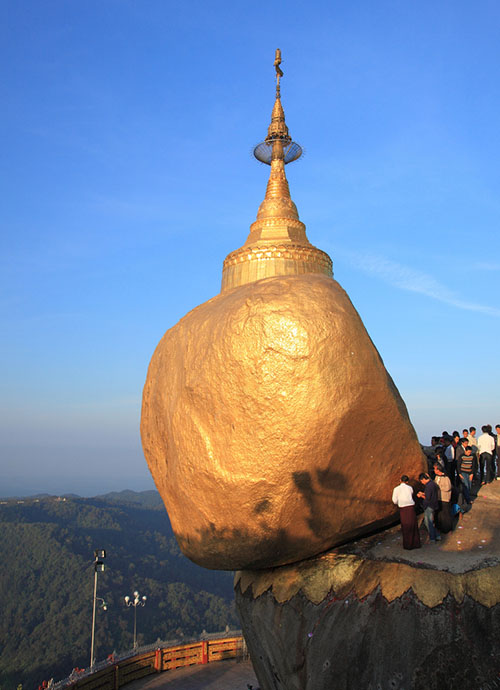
column 270, row 425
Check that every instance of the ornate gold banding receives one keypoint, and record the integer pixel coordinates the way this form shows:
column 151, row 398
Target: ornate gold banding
column 357, row 577
column 255, row 262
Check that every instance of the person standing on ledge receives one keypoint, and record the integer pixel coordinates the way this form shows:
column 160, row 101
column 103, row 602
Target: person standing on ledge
column 460, row 450
column 443, row 518
column 449, row 455
column 466, row 469
column 497, row 451
column 486, row 446
column 430, row 505
column 402, row 496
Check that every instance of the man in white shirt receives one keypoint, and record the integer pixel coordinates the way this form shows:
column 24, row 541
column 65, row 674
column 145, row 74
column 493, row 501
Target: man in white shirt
column 486, row 446
column 473, row 444
column 472, row 436
column 402, row 496
column 497, row 451
column 449, row 456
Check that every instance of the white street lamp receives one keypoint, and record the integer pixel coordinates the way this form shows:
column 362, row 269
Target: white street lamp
column 135, row 602
column 98, row 568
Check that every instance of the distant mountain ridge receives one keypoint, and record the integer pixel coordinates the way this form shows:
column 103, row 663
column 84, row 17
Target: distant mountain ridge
column 47, row 544
column 149, row 498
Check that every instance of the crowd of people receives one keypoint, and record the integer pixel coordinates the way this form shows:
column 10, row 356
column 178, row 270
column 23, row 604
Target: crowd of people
column 457, row 466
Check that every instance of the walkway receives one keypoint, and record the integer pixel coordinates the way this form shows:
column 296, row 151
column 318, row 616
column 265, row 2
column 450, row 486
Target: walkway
column 219, row 675
column 473, row 544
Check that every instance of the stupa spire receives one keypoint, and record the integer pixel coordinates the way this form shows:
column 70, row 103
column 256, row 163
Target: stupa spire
column 277, row 243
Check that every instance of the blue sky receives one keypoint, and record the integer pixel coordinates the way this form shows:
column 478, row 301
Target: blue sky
column 127, row 178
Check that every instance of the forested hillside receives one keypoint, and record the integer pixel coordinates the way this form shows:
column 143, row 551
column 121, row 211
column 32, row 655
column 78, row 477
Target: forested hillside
column 46, row 583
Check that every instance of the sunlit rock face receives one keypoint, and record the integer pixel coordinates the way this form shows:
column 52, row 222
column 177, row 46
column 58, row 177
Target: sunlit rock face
column 271, row 427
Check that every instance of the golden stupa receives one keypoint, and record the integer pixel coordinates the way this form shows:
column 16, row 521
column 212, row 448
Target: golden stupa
column 270, row 425
column 277, row 244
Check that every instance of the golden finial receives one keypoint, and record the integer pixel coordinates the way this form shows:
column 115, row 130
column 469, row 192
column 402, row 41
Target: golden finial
column 277, row 243
column 278, row 144
column 279, row 73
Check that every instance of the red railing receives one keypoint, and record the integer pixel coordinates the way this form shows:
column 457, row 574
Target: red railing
column 119, row 673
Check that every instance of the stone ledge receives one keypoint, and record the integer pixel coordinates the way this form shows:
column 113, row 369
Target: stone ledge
column 456, row 567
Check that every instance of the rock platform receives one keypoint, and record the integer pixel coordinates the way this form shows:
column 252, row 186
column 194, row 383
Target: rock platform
column 371, row 616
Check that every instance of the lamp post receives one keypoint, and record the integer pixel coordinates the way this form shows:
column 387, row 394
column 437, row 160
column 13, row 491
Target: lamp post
column 135, row 602
column 98, row 564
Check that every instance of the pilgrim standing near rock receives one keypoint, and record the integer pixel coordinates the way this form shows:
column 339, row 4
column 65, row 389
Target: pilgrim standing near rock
column 402, row 496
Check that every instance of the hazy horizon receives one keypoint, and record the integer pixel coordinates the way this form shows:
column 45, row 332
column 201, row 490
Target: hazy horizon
column 85, row 494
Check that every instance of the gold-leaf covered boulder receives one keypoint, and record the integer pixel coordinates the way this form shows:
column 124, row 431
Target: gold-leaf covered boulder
column 271, row 427
column 269, row 423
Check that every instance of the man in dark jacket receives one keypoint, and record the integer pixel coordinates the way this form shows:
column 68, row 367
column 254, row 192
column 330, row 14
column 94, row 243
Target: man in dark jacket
column 466, row 469
column 430, row 505
column 460, row 449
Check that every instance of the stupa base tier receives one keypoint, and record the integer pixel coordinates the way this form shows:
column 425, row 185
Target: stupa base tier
column 249, row 264
column 375, row 636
